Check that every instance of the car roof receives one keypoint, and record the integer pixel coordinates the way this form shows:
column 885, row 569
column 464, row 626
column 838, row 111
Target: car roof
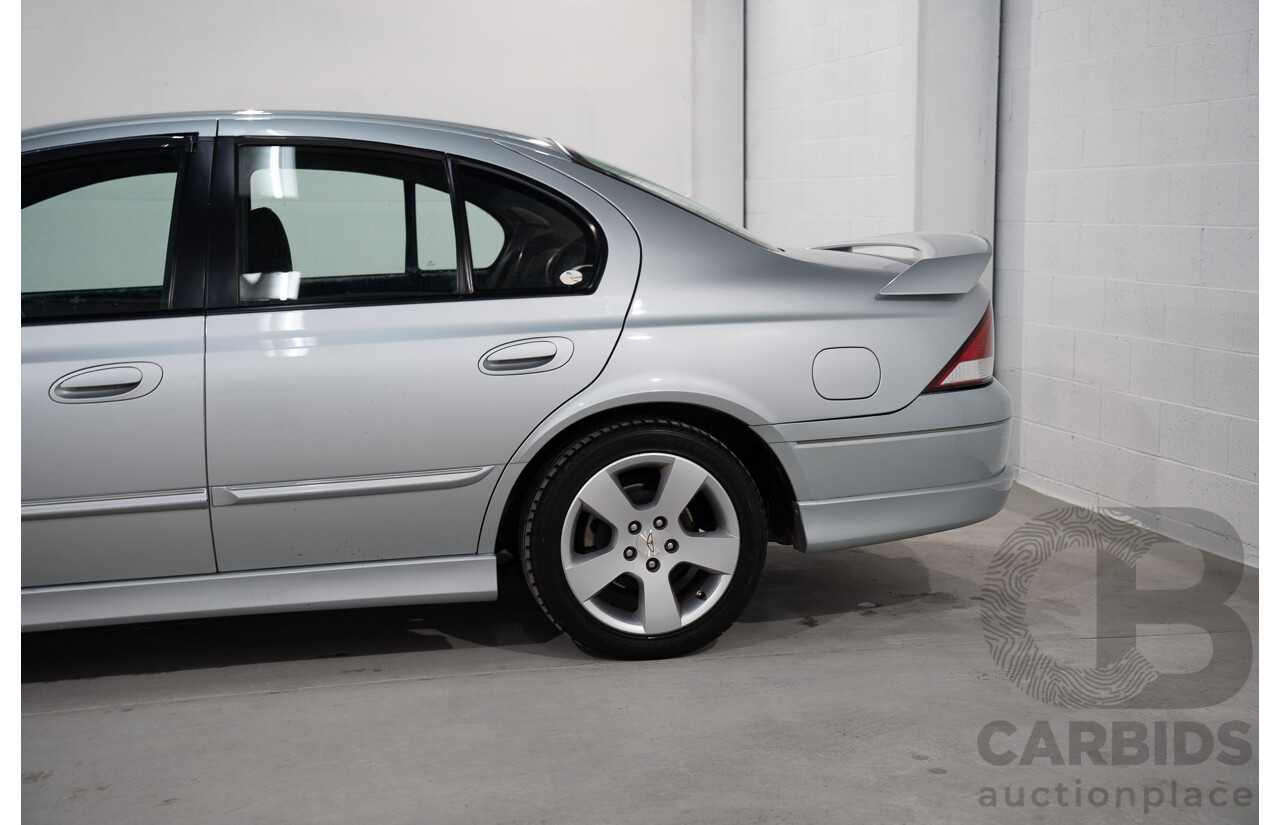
column 138, row 125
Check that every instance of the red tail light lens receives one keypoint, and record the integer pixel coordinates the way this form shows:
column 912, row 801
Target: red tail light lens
column 974, row 364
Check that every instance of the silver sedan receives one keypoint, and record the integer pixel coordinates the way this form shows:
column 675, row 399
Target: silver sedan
column 294, row 361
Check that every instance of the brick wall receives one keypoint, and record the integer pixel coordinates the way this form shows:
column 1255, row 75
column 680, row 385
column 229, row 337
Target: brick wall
column 830, row 118
column 1127, row 269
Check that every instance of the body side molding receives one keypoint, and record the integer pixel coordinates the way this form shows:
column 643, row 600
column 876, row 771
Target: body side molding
column 344, row 487
column 159, row 502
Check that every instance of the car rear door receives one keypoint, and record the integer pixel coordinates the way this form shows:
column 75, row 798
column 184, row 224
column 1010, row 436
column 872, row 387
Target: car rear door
column 393, row 323
column 113, row 468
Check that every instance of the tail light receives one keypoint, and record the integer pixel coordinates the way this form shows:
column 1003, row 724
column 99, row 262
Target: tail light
column 974, row 363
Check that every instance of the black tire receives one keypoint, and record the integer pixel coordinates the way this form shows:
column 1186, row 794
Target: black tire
column 678, row 582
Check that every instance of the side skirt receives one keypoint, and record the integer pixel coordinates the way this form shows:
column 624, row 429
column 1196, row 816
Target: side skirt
column 413, row 581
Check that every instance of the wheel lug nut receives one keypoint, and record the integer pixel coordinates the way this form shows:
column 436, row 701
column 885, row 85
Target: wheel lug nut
column 671, row 546
column 629, row 553
column 659, row 523
column 634, row 527
column 652, row 564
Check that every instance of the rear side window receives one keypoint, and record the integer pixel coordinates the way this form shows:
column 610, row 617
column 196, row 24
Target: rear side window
column 325, row 225
column 98, row 234
column 525, row 240
column 342, row 224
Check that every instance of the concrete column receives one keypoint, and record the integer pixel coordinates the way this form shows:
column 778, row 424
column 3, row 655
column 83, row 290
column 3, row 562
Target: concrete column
column 719, row 95
column 958, row 43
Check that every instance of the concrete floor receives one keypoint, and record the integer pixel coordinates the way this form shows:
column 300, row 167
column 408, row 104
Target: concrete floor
column 814, row 707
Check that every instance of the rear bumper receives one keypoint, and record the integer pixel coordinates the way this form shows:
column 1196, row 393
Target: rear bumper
column 937, row 464
column 849, row 522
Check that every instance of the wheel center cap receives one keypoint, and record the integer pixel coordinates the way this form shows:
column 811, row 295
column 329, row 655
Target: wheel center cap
column 648, row 542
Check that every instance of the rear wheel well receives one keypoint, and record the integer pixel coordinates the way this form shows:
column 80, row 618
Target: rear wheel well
column 774, row 486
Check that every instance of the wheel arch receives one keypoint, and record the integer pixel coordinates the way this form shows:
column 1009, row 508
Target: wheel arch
column 771, row 479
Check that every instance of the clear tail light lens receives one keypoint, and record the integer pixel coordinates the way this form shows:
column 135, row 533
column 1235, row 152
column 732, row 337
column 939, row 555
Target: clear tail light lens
column 974, row 363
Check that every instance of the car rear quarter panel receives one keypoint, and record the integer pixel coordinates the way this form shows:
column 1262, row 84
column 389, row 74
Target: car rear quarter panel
column 716, row 316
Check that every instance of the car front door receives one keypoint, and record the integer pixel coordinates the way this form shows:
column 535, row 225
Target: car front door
column 113, row 468
column 395, row 325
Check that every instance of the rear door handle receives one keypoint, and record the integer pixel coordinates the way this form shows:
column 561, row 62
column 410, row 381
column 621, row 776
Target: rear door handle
column 521, row 356
column 107, row 382
column 533, row 355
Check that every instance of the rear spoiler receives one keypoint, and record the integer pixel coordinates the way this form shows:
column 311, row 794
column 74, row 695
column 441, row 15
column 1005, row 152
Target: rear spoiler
column 947, row 263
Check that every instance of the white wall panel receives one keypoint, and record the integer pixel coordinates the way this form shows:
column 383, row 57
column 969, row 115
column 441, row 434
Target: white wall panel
column 831, row 117
column 611, row 77
column 870, row 116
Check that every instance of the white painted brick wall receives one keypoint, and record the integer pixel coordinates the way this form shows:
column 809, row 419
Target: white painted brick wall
column 1126, row 225
column 1127, row 254
column 830, row 147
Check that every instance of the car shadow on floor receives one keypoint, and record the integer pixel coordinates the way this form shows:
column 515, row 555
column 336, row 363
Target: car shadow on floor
column 796, row 585
column 794, row 588
column 190, row 644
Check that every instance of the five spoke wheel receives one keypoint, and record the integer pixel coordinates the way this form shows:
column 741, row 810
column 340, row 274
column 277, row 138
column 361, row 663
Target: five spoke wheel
column 645, row 539
column 670, row 571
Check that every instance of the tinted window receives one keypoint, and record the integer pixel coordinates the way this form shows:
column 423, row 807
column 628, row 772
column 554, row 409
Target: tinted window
column 525, row 240
column 324, row 224
column 97, row 234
